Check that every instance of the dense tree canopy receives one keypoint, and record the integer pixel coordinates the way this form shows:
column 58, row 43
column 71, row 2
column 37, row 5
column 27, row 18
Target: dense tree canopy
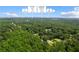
column 39, row 35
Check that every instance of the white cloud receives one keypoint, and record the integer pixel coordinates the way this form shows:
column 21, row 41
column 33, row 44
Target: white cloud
column 76, row 8
column 38, row 9
column 74, row 13
column 12, row 14
column 50, row 10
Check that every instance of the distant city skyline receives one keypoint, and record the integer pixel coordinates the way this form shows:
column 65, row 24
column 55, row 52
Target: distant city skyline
column 40, row 11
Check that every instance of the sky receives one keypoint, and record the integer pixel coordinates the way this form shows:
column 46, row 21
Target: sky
column 40, row 11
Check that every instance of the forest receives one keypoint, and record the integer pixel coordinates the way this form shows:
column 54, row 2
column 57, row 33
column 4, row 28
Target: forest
column 39, row 34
